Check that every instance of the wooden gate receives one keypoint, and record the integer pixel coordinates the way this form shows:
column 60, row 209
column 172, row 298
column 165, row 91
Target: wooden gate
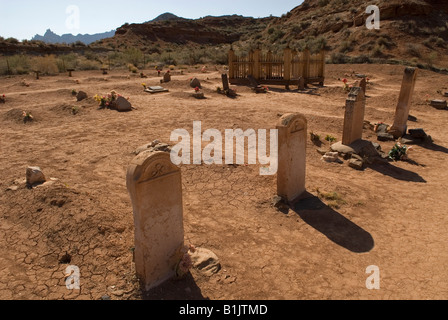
column 285, row 69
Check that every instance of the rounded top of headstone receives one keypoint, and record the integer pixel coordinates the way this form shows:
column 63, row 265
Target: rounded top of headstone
column 288, row 119
column 150, row 165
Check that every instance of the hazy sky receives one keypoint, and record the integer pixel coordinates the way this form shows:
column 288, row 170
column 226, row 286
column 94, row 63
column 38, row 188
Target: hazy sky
column 22, row 19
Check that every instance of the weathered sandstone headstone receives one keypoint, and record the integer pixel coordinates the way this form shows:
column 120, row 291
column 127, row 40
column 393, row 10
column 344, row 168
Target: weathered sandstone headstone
column 354, row 116
column 195, row 83
column 123, row 105
column 225, row 82
column 155, row 188
column 167, row 77
column 81, row 96
column 292, row 138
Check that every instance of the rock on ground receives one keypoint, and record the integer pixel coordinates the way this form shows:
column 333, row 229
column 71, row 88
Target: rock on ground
column 205, row 261
column 34, row 176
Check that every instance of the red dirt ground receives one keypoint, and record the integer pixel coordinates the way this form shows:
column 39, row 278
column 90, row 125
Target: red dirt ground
column 393, row 216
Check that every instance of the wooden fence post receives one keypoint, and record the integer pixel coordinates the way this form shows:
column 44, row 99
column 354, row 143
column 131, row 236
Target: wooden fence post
column 7, row 64
column 257, row 65
column 231, row 66
column 287, row 59
column 322, row 67
column 306, row 65
column 269, row 65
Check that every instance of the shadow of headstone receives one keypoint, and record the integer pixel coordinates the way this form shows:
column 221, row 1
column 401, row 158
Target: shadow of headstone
column 333, row 225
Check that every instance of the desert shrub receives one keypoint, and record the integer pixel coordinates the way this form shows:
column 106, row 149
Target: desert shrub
column 133, row 55
column 85, row 64
column 168, row 59
column 314, row 44
column 414, row 50
column 385, row 41
column 431, row 58
column 377, row 51
column 338, row 58
column 434, row 41
column 361, row 59
column 347, row 46
column 277, row 35
column 440, row 42
column 12, row 40
column 67, row 61
column 132, row 68
column 46, row 65
column 18, row 64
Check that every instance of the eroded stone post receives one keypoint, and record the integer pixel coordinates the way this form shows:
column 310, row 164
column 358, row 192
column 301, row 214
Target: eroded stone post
column 399, row 127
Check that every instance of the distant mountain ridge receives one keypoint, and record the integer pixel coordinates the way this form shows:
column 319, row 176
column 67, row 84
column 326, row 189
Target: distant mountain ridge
column 51, row 37
column 167, row 16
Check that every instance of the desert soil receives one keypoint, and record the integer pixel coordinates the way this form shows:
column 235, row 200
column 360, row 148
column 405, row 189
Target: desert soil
column 391, row 215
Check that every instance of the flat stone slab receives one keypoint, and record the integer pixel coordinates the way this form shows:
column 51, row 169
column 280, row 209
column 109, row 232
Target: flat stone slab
column 439, row 104
column 359, row 147
column 356, row 163
column 383, row 136
column 157, row 89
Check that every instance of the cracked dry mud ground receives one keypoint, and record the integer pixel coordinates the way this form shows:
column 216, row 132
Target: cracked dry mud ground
column 393, row 216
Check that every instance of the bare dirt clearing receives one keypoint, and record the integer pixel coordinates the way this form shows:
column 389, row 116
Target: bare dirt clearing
column 393, row 216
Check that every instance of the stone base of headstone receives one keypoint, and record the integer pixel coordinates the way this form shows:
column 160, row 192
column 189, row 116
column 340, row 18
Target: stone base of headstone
column 331, row 157
column 384, row 136
column 356, row 162
column 363, row 148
